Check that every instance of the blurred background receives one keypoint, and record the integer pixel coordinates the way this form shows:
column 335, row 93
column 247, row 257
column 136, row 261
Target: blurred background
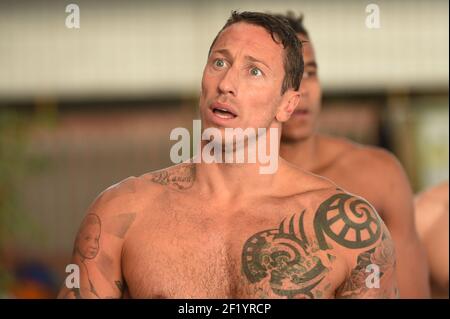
column 81, row 109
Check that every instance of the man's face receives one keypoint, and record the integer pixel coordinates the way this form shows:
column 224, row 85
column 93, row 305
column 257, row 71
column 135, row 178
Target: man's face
column 241, row 84
column 302, row 122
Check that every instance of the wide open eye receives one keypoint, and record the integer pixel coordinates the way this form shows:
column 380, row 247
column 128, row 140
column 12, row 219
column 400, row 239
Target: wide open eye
column 219, row 63
column 255, row 71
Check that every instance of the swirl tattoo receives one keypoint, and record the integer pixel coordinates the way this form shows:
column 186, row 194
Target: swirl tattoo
column 286, row 257
column 360, row 229
column 294, row 265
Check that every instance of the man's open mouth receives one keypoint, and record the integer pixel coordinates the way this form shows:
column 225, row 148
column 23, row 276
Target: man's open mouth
column 223, row 113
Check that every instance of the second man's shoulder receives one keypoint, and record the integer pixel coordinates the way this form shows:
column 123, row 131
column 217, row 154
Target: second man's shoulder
column 374, row 159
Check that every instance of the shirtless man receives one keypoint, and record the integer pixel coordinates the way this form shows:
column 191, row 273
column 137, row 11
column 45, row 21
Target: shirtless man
column 432, row 226
column 369, row 172
column 198, row 230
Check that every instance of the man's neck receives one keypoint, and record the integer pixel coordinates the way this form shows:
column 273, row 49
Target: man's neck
column 232, row 181
column 303, row 153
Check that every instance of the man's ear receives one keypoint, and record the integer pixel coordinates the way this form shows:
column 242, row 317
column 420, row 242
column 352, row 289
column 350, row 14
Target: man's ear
column 290, row 101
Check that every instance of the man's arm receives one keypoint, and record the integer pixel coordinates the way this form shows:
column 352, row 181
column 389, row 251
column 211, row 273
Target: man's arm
column 431, row 208
column 98, row 245
column 373, row 276
column 398, row 214
column 349, row 227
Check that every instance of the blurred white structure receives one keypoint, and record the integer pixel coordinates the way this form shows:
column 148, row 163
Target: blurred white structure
column 160, row 47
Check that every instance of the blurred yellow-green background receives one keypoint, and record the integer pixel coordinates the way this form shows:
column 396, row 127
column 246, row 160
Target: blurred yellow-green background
column 81, row 109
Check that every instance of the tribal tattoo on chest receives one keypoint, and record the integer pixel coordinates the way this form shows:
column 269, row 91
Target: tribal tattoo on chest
column 286, row 257
column 295, row 266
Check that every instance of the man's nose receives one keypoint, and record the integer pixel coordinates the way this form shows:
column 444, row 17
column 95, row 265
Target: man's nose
column 229, row 82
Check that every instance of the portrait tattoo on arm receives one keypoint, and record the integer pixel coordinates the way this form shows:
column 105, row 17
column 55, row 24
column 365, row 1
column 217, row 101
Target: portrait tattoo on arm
column 294, row 265
column 87, row 248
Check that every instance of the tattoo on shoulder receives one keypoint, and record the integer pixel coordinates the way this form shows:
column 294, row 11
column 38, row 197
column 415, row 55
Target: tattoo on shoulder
column 349, row 221
column 181, row 178
column 294, row 264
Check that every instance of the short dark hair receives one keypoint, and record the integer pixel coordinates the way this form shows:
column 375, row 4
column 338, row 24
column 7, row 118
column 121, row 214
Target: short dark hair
column 295, row 22
column 280, row 31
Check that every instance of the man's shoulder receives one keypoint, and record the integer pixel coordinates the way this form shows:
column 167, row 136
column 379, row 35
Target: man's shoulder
column 345, row 218
column 331, row 197
column 373, row 155
column 134, row 192
column 317, row 192
column 430, row 206
column 300, row 183
column 348, row 225
column 347, row 228
column 360, row 157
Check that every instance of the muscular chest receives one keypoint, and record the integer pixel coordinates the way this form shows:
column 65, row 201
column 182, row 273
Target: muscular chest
column 195, row 256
